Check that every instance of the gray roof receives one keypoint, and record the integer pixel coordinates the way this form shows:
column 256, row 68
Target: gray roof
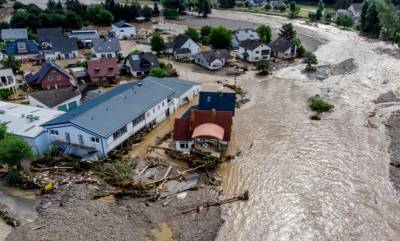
column 102, row 45
column 178, row 41
column 177, row 85
column 14, row 33
column 44, row 34
column 250, row 44
column 52, row 98
column 143, row 62
column 357, row 8
column 245, row 34
column 84, row 34
column 280, row 44
column 63, row 44
column 213, row 54
column 112, row 110
column 122, row 24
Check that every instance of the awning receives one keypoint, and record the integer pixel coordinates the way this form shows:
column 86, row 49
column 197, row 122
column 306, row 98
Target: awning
column 209, row 130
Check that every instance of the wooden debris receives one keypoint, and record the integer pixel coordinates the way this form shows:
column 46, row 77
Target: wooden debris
column 242, row 197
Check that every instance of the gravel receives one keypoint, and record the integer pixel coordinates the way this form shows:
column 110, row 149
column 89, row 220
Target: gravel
column 71, row 214
column 387, row 98
column 393, row 127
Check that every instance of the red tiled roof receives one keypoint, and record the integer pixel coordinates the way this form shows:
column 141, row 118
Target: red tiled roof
column 184, row 127
column 103, row 68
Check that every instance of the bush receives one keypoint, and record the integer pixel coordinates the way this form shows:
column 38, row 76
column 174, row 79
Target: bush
column 344, row 20
column 220, row 38
column 312, row 17
column 165, row 70
column 116, row 172
column 318, row 104
column 5, row 94
column 262, row 66
column 268, row 6
column 282, row 7
column 169, row 13
column 193, row 34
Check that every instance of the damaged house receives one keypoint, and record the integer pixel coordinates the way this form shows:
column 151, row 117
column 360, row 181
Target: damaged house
column 182, row 47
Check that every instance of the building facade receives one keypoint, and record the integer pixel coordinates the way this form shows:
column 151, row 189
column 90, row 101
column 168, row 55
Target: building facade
column 7, row 80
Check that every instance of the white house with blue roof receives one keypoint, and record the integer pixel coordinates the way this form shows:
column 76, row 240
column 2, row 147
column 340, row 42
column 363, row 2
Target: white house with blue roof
column 105, row 122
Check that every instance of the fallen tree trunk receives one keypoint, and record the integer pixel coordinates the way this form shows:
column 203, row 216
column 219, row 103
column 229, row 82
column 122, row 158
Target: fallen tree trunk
column 242, row 197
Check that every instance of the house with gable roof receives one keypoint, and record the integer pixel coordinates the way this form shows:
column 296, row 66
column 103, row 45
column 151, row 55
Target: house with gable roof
column 106, row 48
column 123, row 30
column 182, row 47
column 242, row 35
column 139, row 65
column 254, row 50
column 50, row 76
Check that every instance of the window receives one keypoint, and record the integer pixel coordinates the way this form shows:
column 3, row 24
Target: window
column 119, row 132
column 208, row 98
column 184, row 145
column 257, row 52
column 95, row 139
column 80, row 137
column 163, row 104
column 50, row 78
column 54, row 132
column 138, row 119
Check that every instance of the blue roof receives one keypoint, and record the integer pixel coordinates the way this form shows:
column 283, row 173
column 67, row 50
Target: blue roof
column 112, row 110
column 177, row 85
column 31, row 46
column 220, row 101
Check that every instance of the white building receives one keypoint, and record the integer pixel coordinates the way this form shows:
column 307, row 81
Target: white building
column 123, row 30
column 25, row 121
column 182, row 47
column 105, row 48
column 7, row 80
column 63, row 99
column 242, row 35
column 105, row 122
column 212, row 59
column 253, row 51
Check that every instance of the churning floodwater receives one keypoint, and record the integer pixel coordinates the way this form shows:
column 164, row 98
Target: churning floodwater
column 313, row 180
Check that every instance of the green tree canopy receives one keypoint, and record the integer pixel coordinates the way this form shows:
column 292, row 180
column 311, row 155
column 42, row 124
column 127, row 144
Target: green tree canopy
column 11, row 62
column 265, row 33
column 293, row 10
column 262, row 66
column 202, row 7
column 157, row 43
column 147, row 12
column 99, row 15
column 12, row 149
column 220, row 38
column 193, row 34
column 310, row 59
column 287, row 31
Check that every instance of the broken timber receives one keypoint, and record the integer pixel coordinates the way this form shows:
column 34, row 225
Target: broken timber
column 242, row 197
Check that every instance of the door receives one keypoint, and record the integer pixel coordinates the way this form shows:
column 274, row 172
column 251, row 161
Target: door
column 67, row 137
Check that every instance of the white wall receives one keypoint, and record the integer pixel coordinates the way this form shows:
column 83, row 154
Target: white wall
column 37, row 103
column 256, row 54
column 10, row 82
column 58, row 55
column 104, row 55
column 122, row 33
column 193, row 46
column 186, row 146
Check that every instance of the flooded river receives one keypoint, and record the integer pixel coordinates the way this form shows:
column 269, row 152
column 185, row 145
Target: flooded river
column 21, row 203
column 314, row 180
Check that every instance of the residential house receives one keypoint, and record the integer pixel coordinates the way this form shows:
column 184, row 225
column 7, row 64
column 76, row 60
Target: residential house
column 61, row 48
column 182, row 47
column 50, row 76
column 84, row 36
column 355, row 10
column 254, row 3
column 64, row 99
column 212, row 59
column 184, row 90
column 22, row 49
column 203, row 128
column 44, row 36
column 123, row 30
column 79, row 74
column 139, row 65
column 7, row 80
column 103, row 70
column 25, row 121
column 104, row 123
column 254, row 50
column 14, row 34
column 106, row 47
column 219, row 101
column 242, row 35
column 283, row 48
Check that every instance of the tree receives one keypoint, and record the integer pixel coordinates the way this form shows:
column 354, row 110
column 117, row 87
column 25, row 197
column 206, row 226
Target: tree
column 13, row 149
column 320, row 10
column 369, row 19
column 157, row 43
column 282, row 7
column 147, row 12
column 226, row 3
column 262, row 66
column 177, row 5
column 156, row 10
column 11, row 62
column 193, row 34
column 203, row 7
column 72, row 20
column 169, row 13
column 310, row 59
column 18, row 5
column 344, row 20
column 204, row 32
column 293, row 10
column 300, row 48
column 220, row 38
column 5, row 94
column 265, row 33
column 287, row 31
column 99, row 15
column 2, row 2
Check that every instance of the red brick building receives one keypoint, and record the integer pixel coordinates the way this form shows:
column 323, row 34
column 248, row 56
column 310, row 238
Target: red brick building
column 103, row 70
column 50, row 76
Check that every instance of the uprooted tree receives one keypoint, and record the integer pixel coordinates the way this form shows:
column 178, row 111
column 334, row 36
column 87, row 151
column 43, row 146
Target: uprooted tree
column 310, row 59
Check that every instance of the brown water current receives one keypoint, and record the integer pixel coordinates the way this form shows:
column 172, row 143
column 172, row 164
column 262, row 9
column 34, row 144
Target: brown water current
column 315, row 180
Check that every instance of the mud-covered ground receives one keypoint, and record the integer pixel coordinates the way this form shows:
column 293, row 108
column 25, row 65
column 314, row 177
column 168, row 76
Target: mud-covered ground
column 71, row 214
